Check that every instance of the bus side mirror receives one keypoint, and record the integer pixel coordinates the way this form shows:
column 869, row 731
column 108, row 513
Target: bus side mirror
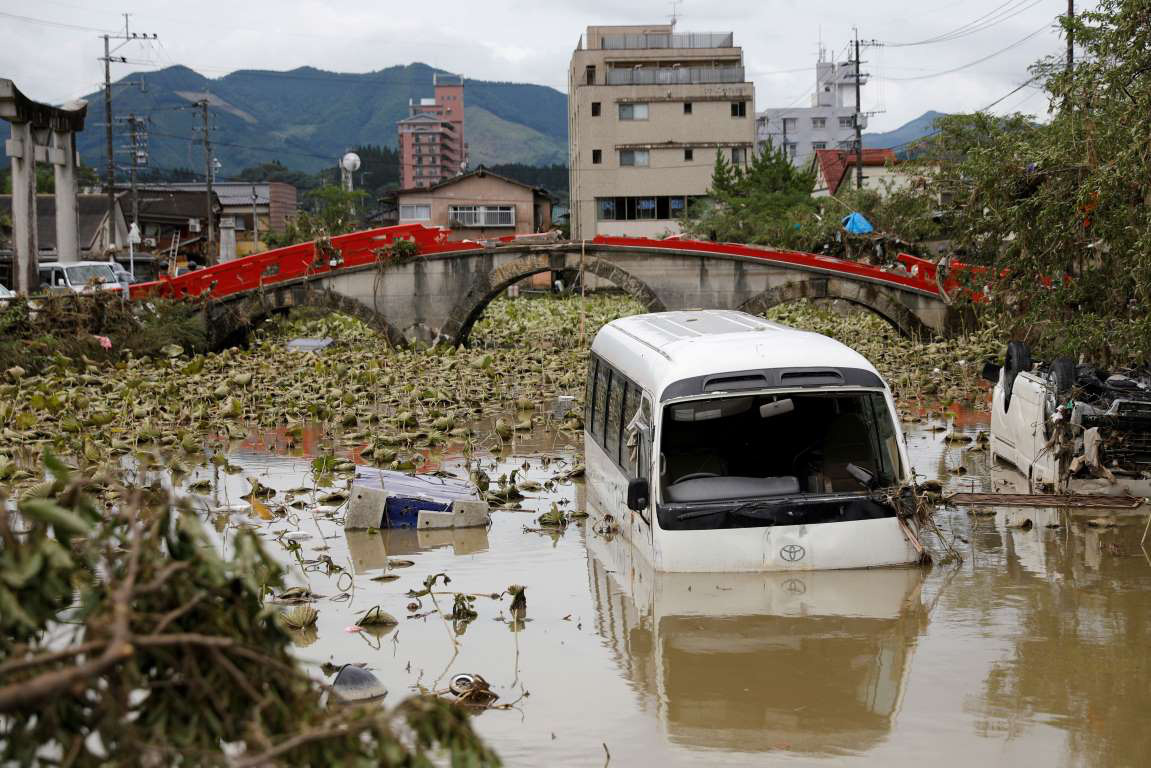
column 637, row 494
column 991, row 372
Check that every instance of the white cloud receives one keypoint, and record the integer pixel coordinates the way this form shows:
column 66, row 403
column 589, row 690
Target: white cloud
column 518, row 40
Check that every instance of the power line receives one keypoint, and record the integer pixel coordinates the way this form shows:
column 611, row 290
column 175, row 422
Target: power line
column 984, row 22
column 49, row 23
column 970, row 64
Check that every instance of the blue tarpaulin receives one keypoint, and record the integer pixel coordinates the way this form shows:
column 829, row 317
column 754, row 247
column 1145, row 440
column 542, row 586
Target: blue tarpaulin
column 856, row 224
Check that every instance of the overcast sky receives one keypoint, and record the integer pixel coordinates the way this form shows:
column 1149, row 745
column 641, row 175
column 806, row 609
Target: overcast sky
column 50, row 48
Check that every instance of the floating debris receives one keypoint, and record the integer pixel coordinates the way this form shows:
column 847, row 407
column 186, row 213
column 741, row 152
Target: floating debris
column 354, row 683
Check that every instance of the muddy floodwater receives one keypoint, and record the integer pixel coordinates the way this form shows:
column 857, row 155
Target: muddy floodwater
column 1033, row 651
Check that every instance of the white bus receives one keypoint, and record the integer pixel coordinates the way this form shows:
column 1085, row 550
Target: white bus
column 718, row 441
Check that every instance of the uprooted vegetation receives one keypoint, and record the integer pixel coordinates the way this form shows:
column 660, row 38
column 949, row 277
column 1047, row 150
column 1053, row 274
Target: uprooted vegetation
column 100, row 327
column 126, row 637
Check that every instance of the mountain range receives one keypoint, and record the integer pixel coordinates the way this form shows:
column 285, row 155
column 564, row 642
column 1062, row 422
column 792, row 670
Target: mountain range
column 307, row 118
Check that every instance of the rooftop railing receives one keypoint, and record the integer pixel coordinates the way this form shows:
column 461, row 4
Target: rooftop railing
column 673, row 40
column 674, row 75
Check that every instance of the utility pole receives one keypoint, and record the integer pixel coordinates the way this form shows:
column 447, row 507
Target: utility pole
column 209, row 171
column 1070, row 36
column 255, row 221
column 139, row 156
column 858, row 116
column 110, row 173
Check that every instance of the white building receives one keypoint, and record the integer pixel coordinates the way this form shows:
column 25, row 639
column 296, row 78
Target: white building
column 829, row 123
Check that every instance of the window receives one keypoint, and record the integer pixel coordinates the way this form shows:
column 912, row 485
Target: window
column 416, row 212
column 596, row 156
column 790, row 124
column 633, row 111
column 595, row 109
column 819, row 122
column 789, row 149
column 687, row 107
column 634, row 157
column 614, row 416
column 847, row 122
column 688, row 155
column 589, row 75
column 739, row 155
column 599, row 405
column 645, row 208
column 739, row 109
column 819, row 145
column 483, row 215
column 663, row 207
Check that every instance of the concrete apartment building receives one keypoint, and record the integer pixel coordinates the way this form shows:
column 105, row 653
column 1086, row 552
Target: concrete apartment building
column 431, row 139
column 648, row 108
column 829, row 123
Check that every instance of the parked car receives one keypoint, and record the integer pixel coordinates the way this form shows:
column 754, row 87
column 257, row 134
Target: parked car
column 5, row 294
column 123, row 276
column 1069, row 427
column 79, row 277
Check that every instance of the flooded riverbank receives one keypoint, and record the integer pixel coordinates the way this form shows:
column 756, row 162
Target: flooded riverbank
column 1030, row 650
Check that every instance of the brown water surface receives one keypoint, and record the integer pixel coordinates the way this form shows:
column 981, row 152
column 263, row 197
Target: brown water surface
column 1033, row 651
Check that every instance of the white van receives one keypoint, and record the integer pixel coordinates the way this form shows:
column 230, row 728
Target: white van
column 719, row 441
column 78, row 277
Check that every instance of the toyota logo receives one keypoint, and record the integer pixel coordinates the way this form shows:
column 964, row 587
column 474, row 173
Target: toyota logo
column 794, row 586
column 792, row 552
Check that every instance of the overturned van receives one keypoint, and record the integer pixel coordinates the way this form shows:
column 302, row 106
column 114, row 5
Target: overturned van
column 1071, row 428
column 719, row 441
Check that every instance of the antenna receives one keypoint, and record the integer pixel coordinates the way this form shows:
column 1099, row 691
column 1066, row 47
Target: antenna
column 675, row 4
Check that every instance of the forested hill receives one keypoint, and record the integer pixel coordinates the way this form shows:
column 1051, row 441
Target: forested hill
column 307, row 118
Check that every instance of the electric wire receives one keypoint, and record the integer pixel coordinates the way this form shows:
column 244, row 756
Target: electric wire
column 970, row 64
column 987, row 21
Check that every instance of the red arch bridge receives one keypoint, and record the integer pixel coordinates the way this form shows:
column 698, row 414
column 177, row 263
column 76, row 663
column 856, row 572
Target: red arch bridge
column 433, row 290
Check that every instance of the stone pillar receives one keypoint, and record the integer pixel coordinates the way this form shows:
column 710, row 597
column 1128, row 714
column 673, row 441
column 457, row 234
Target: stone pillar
column 67, row 213
column 25, row 245
column 227, row 238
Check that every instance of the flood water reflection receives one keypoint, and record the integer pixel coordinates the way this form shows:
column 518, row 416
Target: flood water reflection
column 812, row 663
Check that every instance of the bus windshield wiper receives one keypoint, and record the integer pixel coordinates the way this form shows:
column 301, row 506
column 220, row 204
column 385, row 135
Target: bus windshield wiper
column 739, row 508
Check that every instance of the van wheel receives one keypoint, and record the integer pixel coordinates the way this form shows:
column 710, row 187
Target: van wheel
column 1018, row 359
column 1063, row 376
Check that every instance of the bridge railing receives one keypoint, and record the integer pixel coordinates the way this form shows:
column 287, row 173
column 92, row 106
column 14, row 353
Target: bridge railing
column 295, row 262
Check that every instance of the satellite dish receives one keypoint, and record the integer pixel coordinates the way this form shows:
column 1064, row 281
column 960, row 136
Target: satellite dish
column 350, row 162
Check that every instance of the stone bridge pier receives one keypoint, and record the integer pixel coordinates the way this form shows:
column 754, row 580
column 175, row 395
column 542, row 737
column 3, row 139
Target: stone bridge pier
column 437, row 298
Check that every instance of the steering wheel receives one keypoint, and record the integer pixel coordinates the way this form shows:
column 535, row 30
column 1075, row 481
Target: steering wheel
column 694, row 476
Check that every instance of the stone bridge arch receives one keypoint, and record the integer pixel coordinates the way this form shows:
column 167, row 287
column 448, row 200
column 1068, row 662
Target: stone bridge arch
column 874, row 298
column 230, row 321
column 488, row 285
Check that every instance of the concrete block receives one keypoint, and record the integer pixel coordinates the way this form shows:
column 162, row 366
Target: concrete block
column 462, row 514
column 365, row 508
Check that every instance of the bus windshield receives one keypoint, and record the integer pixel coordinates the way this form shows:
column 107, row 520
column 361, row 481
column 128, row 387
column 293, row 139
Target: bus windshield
column 771, row 445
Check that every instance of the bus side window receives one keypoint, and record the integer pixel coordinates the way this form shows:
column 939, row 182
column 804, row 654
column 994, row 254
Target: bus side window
column 614, row 415
column 599, row 406
column 629, row 443
column 589, row 394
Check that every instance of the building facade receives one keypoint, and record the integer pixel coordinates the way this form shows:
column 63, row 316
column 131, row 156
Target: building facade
column 828, row 123
column 648, row 109
column 479, row 205
column 431, row 139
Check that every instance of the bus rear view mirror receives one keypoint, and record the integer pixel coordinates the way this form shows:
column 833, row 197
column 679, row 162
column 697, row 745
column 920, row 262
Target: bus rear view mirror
column 776, row 407
column 637, row 494
column 991, row 372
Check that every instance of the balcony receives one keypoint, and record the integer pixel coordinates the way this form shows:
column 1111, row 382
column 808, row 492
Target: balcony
column 674, row 75
column 674, row 40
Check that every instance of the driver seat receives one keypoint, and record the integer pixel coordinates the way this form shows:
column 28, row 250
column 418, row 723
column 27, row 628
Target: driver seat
column 846, row 441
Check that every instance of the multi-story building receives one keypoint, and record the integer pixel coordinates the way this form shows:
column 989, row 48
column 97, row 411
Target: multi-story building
column 829, row 123
column 648, row 109
column 431, row 139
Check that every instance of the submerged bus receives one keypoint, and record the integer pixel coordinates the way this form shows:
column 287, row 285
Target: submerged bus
column 719, row 441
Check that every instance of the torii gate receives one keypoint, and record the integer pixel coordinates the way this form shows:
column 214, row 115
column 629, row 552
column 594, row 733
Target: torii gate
column 46, row 134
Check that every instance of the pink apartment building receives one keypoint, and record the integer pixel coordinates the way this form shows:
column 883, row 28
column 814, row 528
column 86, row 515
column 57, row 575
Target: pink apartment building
column 431, row 138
